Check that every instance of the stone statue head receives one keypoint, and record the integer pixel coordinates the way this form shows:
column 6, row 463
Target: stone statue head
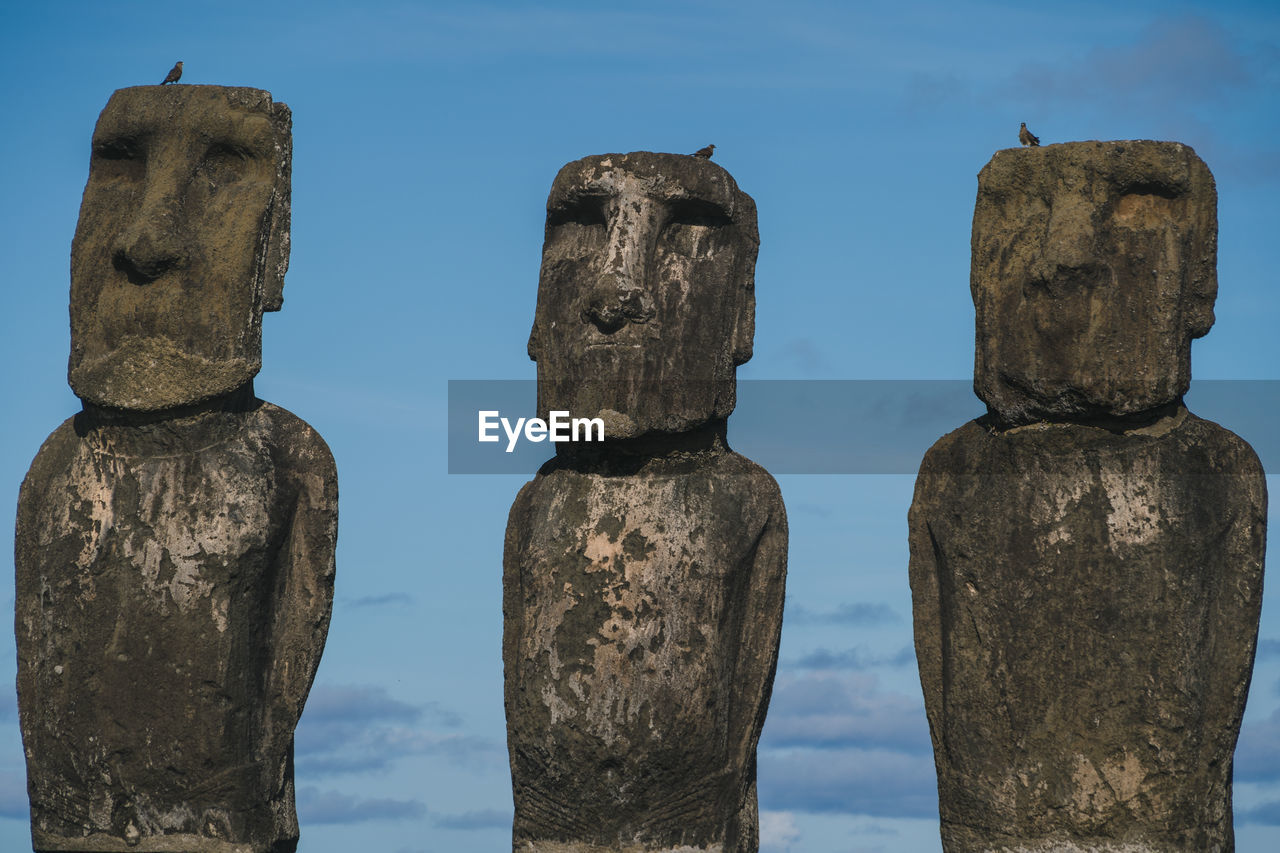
column 646, row 300
column 182, row 243
column 1094, row 266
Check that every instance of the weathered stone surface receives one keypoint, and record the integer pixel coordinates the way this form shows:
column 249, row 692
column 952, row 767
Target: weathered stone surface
column 1086, row 560
column 182, row 243
column 643, row 248
column 174, row 580
column 643, row 579
column 1094, row 265
column 175, row 539
column 1086, row 608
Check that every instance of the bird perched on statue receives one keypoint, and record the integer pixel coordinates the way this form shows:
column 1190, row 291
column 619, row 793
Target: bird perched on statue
column 705, row 153
column 1026, row 137
column 174, row 75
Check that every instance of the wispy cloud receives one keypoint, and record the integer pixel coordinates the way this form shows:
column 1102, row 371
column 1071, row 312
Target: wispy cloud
column 1176, row 63
column 1268, row 649
column 483, row 819
column 871, row 782
column 391, row 598
column 778, row 831
column 1183, row 77
column 318, row 807
column 358, row 703
column 1267, row 814
column 805, row 355
column 853, row 659
column 378, row 748
column 350, row 729
column 859, row 614
column 843, row 710
column 1258, row 753
column 834, row 742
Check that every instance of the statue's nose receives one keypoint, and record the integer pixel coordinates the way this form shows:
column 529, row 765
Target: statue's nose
column 1069, row 243
column 151, row 245
column 621, row 293
column 615, row 301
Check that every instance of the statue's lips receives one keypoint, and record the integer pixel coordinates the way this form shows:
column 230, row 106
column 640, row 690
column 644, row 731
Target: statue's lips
column 149, row 374
column 606, row 345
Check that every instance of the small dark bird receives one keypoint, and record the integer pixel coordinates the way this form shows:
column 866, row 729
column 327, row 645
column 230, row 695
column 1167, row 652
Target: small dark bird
column 705, row 153
column 174, row 75
column 1026, row 137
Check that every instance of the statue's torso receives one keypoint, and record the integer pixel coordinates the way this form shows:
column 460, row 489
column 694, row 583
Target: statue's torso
column 148, row 576
column 631, row 597
column 1081, row 592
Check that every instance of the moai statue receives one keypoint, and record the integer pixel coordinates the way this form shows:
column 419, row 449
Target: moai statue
column 643, row 577
column 175, row 541
column 1086, row 559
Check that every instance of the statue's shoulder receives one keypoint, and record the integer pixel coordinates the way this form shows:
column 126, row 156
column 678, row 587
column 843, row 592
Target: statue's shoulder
column 53, row 459
column 293, row 441
column 959, row 448
column 1224, row 448
column 753, row 475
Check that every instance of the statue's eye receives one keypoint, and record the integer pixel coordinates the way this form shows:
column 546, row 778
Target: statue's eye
column 1148, row 204
column 1156, row 187
column 696, row 213
column 584, row 210
column 693, row 227
column 225, row 164
column 121, row 158
column 577, row 226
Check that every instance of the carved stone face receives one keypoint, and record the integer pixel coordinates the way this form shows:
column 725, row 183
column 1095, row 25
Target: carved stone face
column 646, row 299
column 182, row 243
column 1094, row 266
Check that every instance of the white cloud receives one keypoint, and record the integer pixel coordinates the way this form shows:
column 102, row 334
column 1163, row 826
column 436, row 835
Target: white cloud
column 778, row 831
column 873, row 782
column 317, row 807
column 356, row 728
column 857, row 613
column 840, row 709
column 854, row 659
column 1258, row 752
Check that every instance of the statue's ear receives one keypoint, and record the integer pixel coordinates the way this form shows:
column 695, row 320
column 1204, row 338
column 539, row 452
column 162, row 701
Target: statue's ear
column 744, row 323
column 744, row 320
column 1202, row 281
column 535, row 343
column 278, row 217
column 1202, row 293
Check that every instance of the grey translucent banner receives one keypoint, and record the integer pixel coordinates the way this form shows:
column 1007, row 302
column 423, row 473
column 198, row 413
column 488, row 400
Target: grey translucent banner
column 837, row 426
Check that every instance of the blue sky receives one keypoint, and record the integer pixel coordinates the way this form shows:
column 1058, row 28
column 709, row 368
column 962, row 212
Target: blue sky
column 425, row 140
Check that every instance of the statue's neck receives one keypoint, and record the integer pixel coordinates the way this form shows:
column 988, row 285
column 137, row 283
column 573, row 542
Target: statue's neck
column 1150, row 422
column 647, row 451
column 169, row 431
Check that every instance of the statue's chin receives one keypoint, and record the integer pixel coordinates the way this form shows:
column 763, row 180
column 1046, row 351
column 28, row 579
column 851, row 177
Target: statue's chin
column 152, row 374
